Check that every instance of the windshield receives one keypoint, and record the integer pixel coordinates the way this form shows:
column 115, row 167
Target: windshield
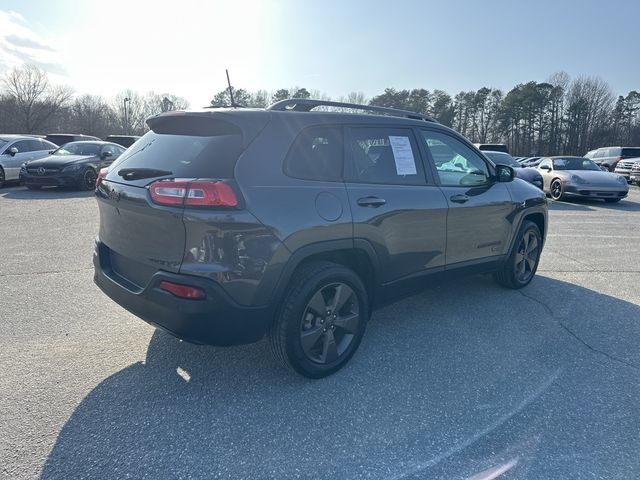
column 78, row 148
column 3, row 143
column 503, row 159
column 574, row 163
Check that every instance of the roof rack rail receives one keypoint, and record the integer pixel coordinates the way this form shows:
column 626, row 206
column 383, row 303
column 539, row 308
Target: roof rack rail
column 306, row 105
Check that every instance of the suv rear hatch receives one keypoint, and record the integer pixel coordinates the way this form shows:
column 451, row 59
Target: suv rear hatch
column 140, row 235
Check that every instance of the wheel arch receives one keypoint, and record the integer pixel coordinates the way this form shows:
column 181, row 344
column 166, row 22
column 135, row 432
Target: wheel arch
column 357, row 255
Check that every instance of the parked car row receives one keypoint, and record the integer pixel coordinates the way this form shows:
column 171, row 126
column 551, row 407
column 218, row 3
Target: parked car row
column 48, row 160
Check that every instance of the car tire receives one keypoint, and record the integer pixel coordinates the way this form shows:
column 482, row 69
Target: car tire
column 612, row 200
column 521, row 265
column 556, row 190
column 2, row 177
column 34, row 187
column 88, row 179
column 317, row 343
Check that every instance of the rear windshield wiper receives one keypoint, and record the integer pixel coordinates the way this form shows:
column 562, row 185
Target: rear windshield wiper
column 140, row 173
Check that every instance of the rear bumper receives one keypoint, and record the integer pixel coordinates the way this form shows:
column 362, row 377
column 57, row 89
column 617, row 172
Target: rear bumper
column 216, row 320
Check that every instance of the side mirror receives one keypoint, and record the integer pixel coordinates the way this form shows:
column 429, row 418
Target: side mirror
column 545, row 167
column 104, row 155
column 12, row 151
column 505, row 173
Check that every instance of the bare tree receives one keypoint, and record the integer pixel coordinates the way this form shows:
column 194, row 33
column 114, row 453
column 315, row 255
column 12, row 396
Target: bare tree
column 35, row 99
column 92, row 115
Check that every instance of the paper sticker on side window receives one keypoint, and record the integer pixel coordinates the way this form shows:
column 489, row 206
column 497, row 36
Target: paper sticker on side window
column 403, row 155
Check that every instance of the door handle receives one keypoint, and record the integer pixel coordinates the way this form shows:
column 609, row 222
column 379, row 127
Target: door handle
column 374, row 202
column 459, row 198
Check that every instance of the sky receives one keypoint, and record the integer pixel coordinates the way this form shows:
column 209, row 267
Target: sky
column 333, row 46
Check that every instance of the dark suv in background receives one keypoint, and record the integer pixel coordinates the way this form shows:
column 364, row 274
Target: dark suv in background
column 222, row 225
column 610, row 156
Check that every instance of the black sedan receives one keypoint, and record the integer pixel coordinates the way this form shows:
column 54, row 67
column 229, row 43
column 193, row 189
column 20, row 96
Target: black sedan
column 75, row 164
column 530, row 175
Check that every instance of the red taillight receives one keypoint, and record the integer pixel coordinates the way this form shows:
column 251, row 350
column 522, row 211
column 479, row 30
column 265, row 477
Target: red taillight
column 199, row 193
column 169, row 192
column 183, row 291
column 101, row 174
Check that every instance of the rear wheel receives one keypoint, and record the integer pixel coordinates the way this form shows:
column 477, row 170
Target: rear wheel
column 520, row 268
column 321, row 321
column 556, row 190
column 88, row 179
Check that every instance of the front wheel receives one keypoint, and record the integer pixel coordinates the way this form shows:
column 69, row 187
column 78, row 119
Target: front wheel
column 88, row 179
column 321, row 321
column 556, row 190
column 519, row 269
column 2, row 178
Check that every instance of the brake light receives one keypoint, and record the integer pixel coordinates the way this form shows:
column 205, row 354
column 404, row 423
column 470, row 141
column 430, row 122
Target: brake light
column 169, row 192
column 183, row 291
column 199, row 193
column 101, row 174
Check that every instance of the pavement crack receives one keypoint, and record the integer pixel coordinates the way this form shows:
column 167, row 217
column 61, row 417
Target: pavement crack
column 21, row 274
column 574, row 334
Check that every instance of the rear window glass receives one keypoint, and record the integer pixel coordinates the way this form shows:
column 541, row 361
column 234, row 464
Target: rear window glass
column 60, row 139
column 184, row 156
column 316, row 154
column 630, row 152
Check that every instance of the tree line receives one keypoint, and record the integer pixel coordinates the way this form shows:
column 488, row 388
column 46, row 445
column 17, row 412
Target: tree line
column 559, row 116
column 30, row 103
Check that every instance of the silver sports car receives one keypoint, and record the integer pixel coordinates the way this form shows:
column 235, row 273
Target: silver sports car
column 579, row 176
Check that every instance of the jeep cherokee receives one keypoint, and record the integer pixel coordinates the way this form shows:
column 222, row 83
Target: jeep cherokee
column 223, row 225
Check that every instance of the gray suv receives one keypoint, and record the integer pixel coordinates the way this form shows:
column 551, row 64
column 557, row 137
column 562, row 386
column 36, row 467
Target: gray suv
column 223, row 225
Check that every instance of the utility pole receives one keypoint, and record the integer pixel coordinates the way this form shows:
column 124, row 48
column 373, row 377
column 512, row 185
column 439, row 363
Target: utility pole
column 126, row 119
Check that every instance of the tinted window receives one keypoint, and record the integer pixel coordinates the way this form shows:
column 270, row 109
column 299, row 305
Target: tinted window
column 630, row 152
column 456, row 163
column 612, row 152
column 574, row 163
column 44, row 145
column 35, row 145
column 78, row 148
column 60, row 139
column 316, row 154
column 23, row 146
column 384, row 155
column 503, row 159
column 545, row 163
column 185, row 156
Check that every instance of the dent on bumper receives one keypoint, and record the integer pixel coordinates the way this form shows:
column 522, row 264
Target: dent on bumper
column 216, row 320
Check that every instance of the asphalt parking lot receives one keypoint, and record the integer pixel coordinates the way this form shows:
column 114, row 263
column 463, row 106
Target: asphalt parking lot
column 466, row 380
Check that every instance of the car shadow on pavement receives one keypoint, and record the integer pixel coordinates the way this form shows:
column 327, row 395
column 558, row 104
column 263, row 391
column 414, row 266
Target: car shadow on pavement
column 44, row 193
column 459, row 379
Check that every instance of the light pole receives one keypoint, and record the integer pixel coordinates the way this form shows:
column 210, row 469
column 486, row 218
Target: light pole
column 126, row 119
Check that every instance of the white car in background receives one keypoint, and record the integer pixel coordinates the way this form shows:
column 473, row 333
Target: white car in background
column 624, row 166
column 634, row 176
column 18, row 149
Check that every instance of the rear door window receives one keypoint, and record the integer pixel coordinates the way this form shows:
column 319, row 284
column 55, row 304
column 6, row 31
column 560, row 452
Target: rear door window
column 316, row 154
column 180, row 151
column 384, row 155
